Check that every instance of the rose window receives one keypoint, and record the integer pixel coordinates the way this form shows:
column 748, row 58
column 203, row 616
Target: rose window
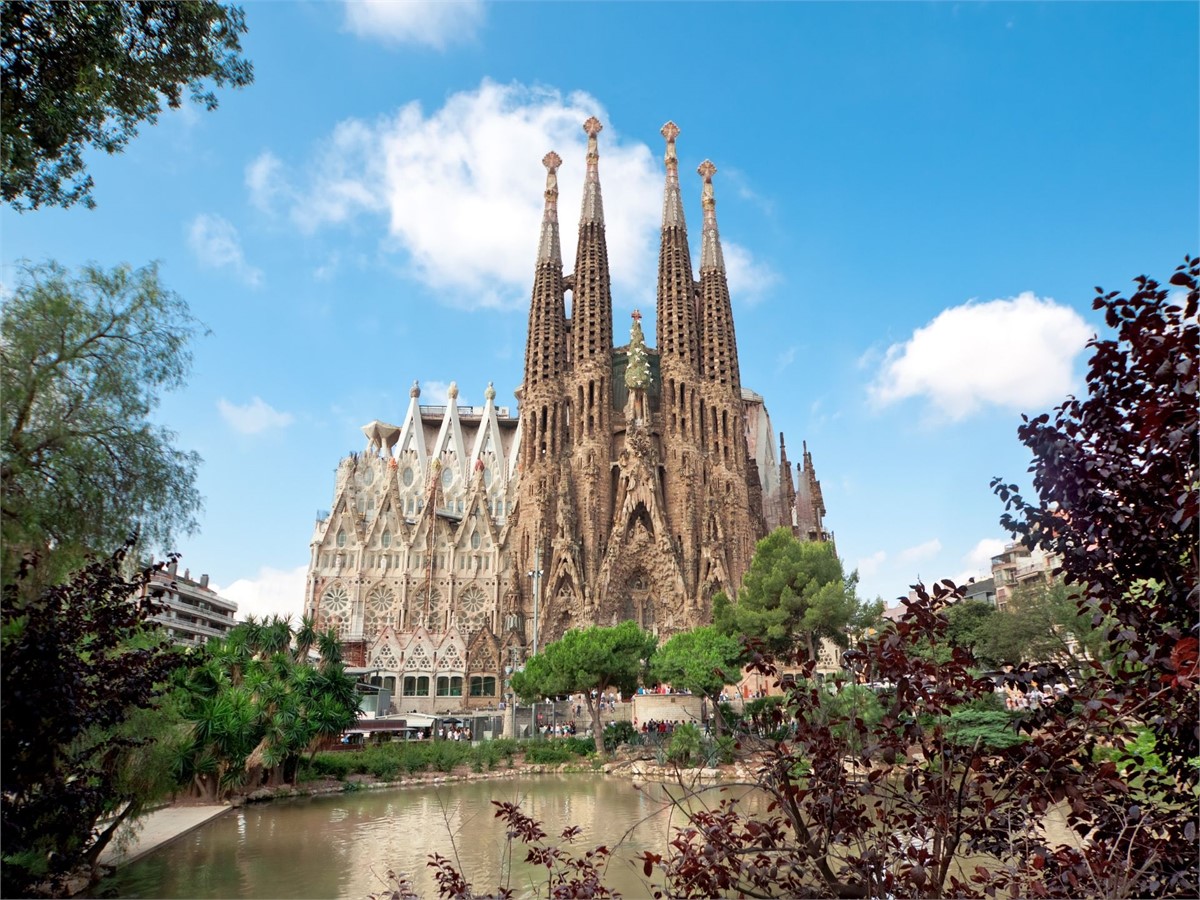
column 471, row 604
column 379, row 611
column 335, row 609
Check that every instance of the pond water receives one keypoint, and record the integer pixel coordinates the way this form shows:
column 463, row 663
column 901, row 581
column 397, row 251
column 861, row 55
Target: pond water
column 342, row 845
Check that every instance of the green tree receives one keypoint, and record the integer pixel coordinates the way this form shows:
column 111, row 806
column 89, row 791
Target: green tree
column 77, row 74
column 83, row 358
column 586, row 660
column 256, row 706
column 1042, row 622
column 82, row 680
column 702, row 661
column 795, row 593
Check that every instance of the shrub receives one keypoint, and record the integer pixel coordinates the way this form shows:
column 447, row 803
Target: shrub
column 617, row 733
column 685, row 744
column 995, row 729
column 549, row 753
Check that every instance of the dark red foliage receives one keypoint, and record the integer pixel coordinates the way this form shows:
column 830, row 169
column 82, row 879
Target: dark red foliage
column 71, row 668
column 1116, row 478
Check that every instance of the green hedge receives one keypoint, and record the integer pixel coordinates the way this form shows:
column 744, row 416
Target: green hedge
column 388, row 761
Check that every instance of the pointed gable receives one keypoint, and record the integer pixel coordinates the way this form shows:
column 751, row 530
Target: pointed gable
column 449, row 447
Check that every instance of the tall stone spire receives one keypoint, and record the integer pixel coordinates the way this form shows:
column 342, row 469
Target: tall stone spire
column 672, row 204
column 591, row 316
column 593, row 206
column 549, row 248
column 720, row 363
column 546, row 350
column 676, row 330
column 710, row 241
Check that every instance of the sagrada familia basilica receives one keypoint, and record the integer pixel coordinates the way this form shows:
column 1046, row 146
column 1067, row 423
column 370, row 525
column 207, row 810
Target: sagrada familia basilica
column 633, row 483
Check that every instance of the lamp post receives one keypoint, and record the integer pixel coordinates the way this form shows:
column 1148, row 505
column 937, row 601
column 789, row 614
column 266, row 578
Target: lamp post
column 536, row 575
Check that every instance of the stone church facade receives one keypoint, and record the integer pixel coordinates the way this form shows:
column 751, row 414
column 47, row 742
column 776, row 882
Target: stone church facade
column 633, row 483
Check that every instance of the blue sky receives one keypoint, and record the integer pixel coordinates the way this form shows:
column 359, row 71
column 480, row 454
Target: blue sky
column 916, row 201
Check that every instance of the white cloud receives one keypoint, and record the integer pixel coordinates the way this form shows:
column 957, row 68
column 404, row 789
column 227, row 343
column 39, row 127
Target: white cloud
column 980, row 556
column 272, row 592
column 265, row 181
column 749, row 278
column 435, row 23
column 461, row 191
column 926, row 550
column 435, row 393
column 1017, row 354
column 868, row 566
column 254, row 417
column 215, row 243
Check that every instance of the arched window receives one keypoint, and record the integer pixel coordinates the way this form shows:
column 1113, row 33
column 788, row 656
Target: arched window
column 341, row 538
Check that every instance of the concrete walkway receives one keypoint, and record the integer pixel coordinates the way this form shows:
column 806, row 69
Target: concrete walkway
column 158, row 829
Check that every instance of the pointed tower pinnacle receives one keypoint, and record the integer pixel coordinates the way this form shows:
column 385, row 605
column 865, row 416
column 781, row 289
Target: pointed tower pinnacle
column 546, row 347
column 672, row 203
column 637, row 371
column 549, row 248
column 710, row 242
column 593, row 208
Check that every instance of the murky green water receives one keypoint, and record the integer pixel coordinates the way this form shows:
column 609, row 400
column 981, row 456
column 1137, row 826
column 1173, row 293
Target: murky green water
column 341, row 846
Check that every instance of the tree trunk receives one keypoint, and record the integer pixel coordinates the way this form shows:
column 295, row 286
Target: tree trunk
column 103, row 839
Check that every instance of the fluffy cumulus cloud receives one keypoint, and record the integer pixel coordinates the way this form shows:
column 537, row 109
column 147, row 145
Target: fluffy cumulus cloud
column 868, row 566
column 434, row 23
column 254, row 417
column 1016, row 354
column 927, row 550
column 271, row 592
column 977, row 561
column 460, row 189
column 215, row 243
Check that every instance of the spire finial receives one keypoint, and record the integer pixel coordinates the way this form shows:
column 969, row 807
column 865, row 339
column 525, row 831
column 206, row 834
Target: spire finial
column 710, row 240
column 593, row 210
column 549, row 249
column 490, row 393
column 415, row 390
column 672, row 202
column 453, row 392
column 707, row 170
column 671, row 131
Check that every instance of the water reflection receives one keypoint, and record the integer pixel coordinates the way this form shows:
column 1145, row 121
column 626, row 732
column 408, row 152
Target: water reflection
column 341, row 846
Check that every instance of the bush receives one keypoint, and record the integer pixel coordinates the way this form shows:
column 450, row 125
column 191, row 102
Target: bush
column 685, row 744
column 548, row 753
column 617, row 733
column 580, row 746
column 993, row 728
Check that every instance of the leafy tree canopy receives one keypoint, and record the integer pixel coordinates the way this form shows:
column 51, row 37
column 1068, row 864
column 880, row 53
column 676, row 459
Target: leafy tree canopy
column 794, row 592
column 701, row 661
column 82, row 359
column 256, row 704
column 586, row 660
column 77, row 74
column 1040, row 623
